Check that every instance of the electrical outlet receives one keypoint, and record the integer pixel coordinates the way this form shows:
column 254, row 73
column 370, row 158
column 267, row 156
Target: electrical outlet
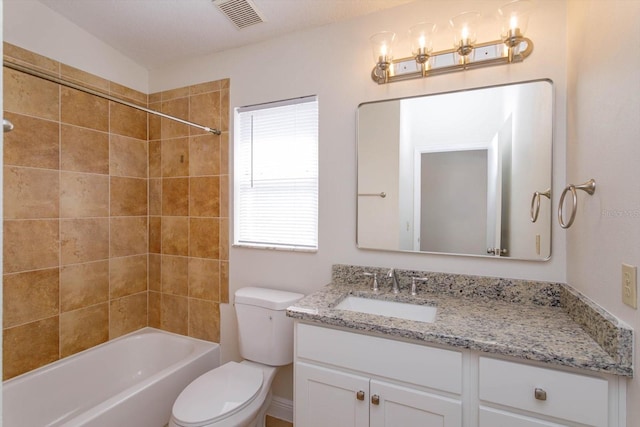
column 629, row 286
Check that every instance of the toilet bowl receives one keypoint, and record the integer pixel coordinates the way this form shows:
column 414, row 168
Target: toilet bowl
column 239, row 394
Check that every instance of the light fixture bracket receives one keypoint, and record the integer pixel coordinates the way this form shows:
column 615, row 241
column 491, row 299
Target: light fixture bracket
column 488, row 54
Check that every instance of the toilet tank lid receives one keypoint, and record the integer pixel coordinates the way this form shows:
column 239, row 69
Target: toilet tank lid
column 272, row 299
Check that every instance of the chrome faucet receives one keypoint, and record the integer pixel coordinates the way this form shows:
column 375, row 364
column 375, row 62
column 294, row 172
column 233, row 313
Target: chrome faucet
column 394, row 280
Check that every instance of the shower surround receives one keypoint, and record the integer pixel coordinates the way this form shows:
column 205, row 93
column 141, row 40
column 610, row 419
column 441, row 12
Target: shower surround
column 113, row 219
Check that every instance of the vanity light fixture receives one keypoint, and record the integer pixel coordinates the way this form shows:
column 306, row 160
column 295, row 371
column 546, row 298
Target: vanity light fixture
column 466, row 54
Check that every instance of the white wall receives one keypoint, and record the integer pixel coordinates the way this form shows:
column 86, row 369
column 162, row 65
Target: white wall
column 603, row 133
column 33, row 26
column 335, row 62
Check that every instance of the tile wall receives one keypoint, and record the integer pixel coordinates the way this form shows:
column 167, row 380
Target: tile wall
column 188, row 210
column 105, row 231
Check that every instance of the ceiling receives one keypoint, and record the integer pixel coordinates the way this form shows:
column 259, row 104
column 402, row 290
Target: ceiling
column 157, row 32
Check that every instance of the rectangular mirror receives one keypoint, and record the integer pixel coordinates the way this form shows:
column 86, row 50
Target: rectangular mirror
column 466, row 173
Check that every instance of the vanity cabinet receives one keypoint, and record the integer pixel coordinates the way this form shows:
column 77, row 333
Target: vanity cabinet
column 347, row 379
column 572, row 397
column 351, row 380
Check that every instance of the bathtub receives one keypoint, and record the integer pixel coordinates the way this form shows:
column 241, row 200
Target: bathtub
column 131, row 381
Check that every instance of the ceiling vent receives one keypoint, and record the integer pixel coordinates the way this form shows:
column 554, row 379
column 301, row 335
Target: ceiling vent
column 242, row 13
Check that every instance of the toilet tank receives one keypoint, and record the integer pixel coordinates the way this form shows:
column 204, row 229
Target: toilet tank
column 265, row 332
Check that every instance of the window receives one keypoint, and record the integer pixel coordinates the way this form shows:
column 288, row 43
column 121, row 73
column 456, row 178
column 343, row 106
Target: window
column 276, row 175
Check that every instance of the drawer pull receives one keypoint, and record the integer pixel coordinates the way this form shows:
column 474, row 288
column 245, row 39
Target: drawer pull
column 540, row 394
column 360, row 395
column 375, row 399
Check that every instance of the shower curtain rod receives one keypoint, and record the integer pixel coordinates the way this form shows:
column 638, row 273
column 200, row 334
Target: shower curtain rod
column 63, row 82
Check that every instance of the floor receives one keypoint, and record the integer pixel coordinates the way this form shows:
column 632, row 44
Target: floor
column 275, row 422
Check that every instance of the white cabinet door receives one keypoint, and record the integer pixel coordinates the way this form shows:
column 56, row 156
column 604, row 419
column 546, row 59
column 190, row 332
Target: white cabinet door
column 394, row 406
column 490, row 417
column 329, row 398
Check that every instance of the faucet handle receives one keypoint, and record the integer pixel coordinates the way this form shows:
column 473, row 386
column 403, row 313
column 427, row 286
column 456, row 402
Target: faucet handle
column 413, row 283
column 374, row 281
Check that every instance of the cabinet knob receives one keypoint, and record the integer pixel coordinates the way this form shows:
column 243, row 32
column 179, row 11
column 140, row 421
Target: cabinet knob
column 540, row 394
column 360, row 395
column 375, row 399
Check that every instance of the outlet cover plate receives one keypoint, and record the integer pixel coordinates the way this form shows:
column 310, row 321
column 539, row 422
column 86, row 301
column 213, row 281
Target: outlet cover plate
column 629, row 286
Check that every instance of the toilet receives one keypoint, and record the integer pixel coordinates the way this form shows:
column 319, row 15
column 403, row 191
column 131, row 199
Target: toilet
column 238, row 394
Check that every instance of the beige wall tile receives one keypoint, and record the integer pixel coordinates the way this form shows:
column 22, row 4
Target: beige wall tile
column 127, row 121
column 155, row 97
column 175, row 157
column 128, row 236
column 84, row 328
column 204, row 320
column 204, row 87
column 155, row 159
column 204, row 155
column 175, row 235
column 180, row 92
column 31, row 96
column 82, row 285
column 204, row 196
column 128, row 157
column 30, row 245
column 154, row 274
column 128, row 196
column 154, row 122
column 175, row 275
column 85, row 79
column 224, row 282
column 84, row 240
column 83, row 195
column 128, row 314
column 204, row 237
column 179, row 108
column 33, row 142
column 204, row 109
column 175, row 196
column 84, row 150
column 30, row 193
column 128, row 275
column 29, row 346
column 155, row 196
column 81, row 109
column 224, row 196
column 155, row 309
column 224, row 153
column 24, row 56
column 131, row 95
column 155, row 234
column 224, row 238
column 174, row 314
column 204, row 279
column 29, row 296
column 224, row 110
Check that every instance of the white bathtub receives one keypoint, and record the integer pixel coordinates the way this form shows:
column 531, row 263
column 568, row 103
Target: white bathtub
column 131, row 381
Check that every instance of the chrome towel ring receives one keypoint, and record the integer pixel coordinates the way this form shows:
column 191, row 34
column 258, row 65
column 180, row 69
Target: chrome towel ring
column 535, row 203
column 589, row 187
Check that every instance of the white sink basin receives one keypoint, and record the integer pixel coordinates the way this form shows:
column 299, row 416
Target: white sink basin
column 420, row 313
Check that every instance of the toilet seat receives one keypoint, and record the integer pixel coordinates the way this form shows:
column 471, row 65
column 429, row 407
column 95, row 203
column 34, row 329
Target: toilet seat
column 217, row 394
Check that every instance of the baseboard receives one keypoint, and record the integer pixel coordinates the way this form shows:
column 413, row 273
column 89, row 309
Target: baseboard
column 281, row 408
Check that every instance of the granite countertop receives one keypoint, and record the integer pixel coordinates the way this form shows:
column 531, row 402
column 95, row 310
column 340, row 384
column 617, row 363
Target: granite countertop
column 545, row 329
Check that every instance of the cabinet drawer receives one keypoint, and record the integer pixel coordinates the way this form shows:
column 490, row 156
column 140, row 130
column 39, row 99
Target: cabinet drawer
column 402, row 361
column 569, row 396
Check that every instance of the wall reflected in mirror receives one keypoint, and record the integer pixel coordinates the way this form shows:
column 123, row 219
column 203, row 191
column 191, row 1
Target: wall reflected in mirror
column 459, row 172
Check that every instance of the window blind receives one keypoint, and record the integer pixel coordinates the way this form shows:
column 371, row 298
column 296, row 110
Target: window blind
column 276, row 175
